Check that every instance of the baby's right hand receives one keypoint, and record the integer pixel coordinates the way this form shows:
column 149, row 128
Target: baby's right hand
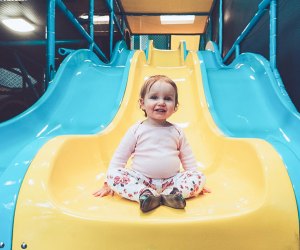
column 104, row 191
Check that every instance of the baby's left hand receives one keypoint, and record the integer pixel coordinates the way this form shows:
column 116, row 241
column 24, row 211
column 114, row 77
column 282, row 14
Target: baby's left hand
column 205, row 190
column 104, row 191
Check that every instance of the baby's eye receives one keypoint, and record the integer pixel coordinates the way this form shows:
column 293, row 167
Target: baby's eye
column 153, row 97
column 168, row 98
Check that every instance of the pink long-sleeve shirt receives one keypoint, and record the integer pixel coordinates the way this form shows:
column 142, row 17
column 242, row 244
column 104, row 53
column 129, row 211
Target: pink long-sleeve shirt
column 156, row 151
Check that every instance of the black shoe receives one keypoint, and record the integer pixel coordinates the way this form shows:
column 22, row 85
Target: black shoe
column 174, row 199
column 148, row 201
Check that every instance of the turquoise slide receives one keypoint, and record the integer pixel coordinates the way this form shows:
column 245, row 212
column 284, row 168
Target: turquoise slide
column 247, row 100
column 83, row 98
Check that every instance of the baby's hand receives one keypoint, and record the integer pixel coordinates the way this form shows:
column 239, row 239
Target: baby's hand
column 205, row 191
column 104, row 191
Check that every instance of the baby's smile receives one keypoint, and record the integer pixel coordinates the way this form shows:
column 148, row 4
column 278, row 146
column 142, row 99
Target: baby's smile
column 160, row 110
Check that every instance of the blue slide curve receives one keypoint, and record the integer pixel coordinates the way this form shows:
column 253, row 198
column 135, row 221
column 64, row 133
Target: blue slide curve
column 83, row 98
column 246, row 100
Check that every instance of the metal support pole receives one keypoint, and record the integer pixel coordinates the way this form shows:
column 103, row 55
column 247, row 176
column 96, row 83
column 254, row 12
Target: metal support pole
column 264, row 4
column 25, row 75
column 249, row 27
column 37, row 43
column 82, row 31
column 120, row 26
column 221, row 27
column 50, row 34
column 202, row 42
column 91, row 23
column 237, row 50
column 123, row 24
column 210, row 28
column 111, row 27
column 273, row 24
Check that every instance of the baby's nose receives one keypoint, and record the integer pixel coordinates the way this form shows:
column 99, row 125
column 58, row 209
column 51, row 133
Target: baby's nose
column 161, row 101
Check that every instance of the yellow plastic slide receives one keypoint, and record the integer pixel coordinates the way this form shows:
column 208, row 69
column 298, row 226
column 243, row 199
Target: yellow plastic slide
column 251, row 206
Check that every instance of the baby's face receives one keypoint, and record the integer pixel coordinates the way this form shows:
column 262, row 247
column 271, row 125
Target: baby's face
column 159, row 101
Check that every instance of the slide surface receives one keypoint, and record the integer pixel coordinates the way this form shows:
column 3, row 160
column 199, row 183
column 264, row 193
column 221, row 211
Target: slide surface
column 82, row 99
column 246, row 100
column 252, row 204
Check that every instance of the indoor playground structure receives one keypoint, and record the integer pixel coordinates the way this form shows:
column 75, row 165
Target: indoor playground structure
column 239, row 120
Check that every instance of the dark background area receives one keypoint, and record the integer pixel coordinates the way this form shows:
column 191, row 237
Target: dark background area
column 15, row 93
column 238, row 13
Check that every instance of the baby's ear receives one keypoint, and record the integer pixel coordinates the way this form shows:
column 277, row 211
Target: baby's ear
column 141, row 102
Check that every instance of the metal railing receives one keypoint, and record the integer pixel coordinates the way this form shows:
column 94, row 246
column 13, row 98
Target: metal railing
column 261, row 10
column 89, row 37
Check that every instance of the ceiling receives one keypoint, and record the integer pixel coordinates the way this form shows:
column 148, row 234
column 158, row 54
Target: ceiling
column 141, row 17
column 144, row 25
column 35, row 11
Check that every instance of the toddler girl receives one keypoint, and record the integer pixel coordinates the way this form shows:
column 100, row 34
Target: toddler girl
column 157, row 148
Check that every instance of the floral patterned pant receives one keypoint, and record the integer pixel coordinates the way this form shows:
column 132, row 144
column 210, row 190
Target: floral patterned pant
column 130, row 184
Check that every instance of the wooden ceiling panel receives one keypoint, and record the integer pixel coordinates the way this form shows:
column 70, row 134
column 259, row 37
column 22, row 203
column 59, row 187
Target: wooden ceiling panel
column 151, row 25
column 166, row 6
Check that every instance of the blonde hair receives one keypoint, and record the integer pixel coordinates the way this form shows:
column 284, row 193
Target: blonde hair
column 153, row 79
